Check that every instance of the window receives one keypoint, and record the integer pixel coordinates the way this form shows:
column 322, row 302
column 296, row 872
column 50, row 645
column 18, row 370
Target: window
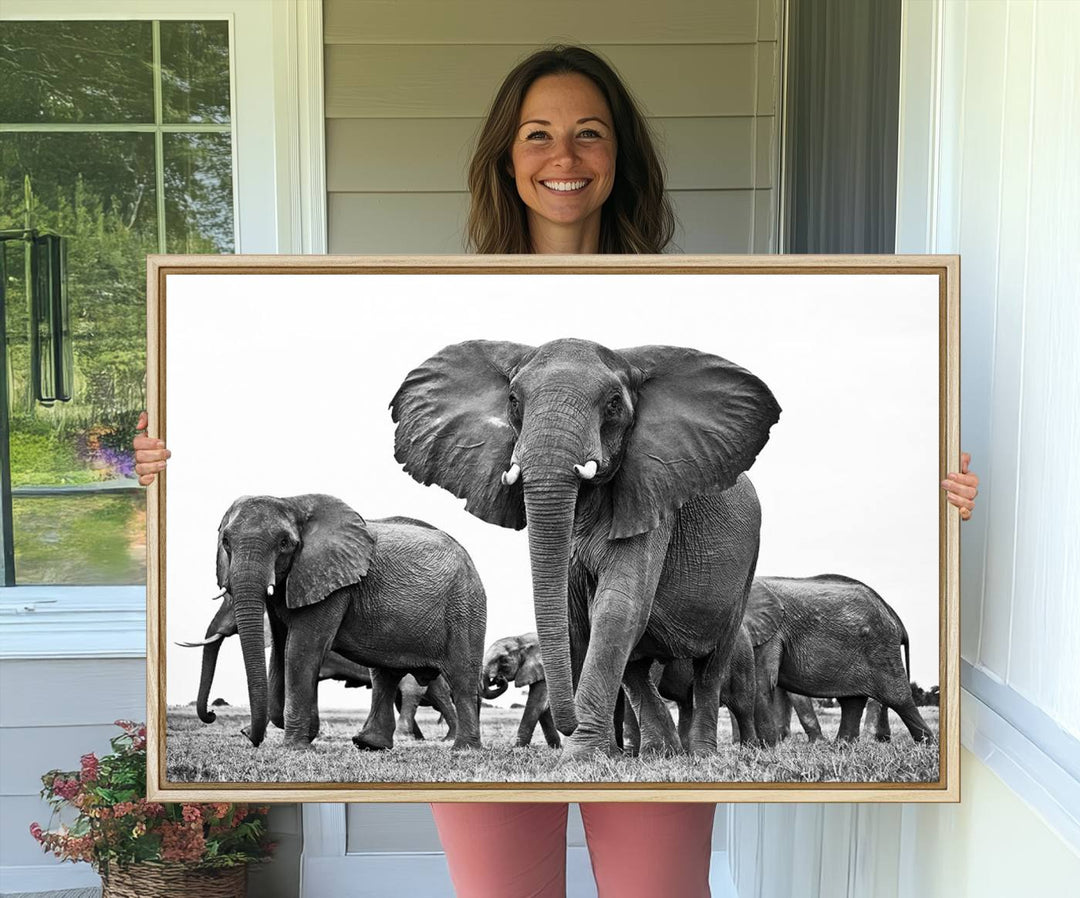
column 118, row 136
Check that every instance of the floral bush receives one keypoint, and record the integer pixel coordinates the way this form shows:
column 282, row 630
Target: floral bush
column 115, row 824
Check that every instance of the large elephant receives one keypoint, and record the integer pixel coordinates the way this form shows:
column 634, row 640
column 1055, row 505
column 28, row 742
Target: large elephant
column 831, row 636
column 643, row 530
column 410, row 695
column 396, row 595
column 518, row 658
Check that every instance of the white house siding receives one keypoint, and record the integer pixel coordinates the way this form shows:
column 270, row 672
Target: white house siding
column 407, row 85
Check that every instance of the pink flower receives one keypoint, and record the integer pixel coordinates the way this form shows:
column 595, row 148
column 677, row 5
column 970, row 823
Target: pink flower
column 123, row 808
column 36, row 831
column 65, row 788
column 192, row 814
column 89, row 768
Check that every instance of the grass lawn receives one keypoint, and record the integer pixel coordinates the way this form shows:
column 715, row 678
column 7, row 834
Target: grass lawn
column 198, row 752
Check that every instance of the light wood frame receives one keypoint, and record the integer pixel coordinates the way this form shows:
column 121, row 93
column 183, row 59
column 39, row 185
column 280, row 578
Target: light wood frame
column 945, row 267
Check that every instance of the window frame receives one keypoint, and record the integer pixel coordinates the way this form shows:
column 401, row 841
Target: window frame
column 276, row 95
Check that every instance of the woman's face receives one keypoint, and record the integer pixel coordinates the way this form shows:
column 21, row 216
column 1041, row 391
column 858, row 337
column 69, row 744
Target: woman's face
column 563, row 154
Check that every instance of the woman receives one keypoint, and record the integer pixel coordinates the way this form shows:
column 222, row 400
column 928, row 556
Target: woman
column 565, row 164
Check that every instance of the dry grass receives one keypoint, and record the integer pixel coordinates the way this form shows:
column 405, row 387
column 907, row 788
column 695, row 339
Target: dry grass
column 198, row 752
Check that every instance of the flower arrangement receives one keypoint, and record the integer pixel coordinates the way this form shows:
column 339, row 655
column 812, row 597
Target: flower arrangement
column 116, row 825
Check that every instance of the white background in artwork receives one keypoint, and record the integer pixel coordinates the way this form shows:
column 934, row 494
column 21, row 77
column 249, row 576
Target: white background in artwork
column 279, row 385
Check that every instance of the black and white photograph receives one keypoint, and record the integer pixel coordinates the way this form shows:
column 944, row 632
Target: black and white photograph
column 520, row 527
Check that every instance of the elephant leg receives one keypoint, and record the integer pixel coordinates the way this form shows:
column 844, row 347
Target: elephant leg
column 617, row 619
column 658, row 733
column 804, row 708
column 442, row 700
column 876, row 721
column 766, row 666
column 407, row 727
column 708, row 676
column 851, row 709
column 631, row 730
column 782, row 712
column 302, row 662
column 741, row 709
column 378, row 731
column 686, row 720
column 534, row 704
column 464, row 684
column 551, row 732
column 275, row 697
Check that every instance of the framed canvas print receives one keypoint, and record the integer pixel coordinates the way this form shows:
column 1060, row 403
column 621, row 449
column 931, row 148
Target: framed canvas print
column 554, row 528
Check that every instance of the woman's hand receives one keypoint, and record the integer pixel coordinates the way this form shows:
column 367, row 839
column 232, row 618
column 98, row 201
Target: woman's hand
column 962, row 488
column 150, row 454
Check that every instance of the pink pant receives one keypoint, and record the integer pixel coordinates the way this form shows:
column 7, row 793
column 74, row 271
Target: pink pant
column 639, row 850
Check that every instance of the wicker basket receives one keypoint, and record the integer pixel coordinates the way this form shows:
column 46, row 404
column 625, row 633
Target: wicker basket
column 164, row 880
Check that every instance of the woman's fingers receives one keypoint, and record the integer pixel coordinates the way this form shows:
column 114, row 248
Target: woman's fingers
column 961, row 487
column 150, row 453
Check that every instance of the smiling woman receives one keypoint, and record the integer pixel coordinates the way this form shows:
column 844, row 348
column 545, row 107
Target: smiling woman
column 565, row 164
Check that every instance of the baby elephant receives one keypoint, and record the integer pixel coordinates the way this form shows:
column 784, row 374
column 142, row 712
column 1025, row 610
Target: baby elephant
column 518, row 658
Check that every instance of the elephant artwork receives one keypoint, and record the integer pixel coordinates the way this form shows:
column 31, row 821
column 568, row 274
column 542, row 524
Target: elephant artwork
column 831, row 636
column 643, row 529
column 518, row 658
column 410, row 695
column 396, row 595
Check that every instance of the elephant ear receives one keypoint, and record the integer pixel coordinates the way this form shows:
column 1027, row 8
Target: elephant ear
column 453, row 430
column 222, row 555
column 336, row 549
column 699, row 422
column 764, row 612
column 531, row 669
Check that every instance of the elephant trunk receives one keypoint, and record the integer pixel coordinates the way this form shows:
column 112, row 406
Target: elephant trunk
column 206, row 679
column 249, row 593
column 493, row 688
column 550, row 498
column 223, row 624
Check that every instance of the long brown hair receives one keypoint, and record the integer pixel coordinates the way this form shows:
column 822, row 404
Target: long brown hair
column 636, row 218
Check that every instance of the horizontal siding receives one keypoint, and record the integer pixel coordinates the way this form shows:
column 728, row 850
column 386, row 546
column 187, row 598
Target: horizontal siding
column 397, row 222
column 523, row 22
column 432, row 154
column 64, row 693
column 708, row 221
column 408, row 81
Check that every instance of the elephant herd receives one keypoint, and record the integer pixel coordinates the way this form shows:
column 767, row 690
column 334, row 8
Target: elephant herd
column 628, row 470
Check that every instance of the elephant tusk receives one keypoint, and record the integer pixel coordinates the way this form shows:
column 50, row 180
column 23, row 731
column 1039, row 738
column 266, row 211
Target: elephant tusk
column 510, row 476
column 270, row 589
column 220, row 595
column 586, row 471
column 207, row 641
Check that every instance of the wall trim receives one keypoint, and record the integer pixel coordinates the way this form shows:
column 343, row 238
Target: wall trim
column 1028, row 768
column 300, row 116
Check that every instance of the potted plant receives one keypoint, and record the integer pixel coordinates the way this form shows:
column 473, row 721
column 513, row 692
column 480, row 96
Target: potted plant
column 144, row 847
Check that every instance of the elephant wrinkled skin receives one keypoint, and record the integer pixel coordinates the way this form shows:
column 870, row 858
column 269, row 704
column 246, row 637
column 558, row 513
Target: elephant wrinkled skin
column 643, row 530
